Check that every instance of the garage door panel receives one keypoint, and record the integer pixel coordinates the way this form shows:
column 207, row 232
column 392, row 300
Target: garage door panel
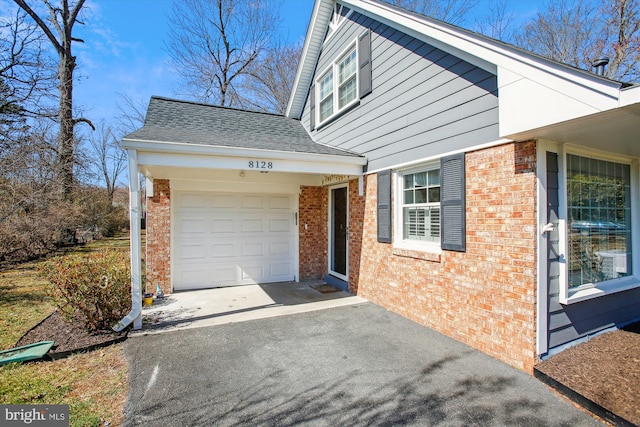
column 192, row 201
column 253, row 273
column 252, row 202
column 223, row 201
column 190, row 251
column 223, row 239
column 224, row 226
column 191, row 226
column 252, row 249
column 223, row 250
column 280, row 248
column 281, row 225
column 280, row 202
column 280, row 270
column 253, row 225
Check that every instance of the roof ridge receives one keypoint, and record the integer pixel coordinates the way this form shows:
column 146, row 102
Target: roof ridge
column 204, row 104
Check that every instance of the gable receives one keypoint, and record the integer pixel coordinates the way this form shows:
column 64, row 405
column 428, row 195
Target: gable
column 535, row 92
column 425, row 101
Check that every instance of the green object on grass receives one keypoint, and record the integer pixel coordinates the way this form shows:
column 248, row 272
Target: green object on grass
column 24, row 353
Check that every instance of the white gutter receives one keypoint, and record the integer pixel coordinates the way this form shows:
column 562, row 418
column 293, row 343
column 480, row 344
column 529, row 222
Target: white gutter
column 218, row 150
column 135, row 315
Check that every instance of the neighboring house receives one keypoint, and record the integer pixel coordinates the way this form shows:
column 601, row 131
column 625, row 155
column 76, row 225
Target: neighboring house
column 475, row 188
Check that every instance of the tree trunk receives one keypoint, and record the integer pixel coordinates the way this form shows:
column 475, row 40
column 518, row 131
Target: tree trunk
column 66, row 135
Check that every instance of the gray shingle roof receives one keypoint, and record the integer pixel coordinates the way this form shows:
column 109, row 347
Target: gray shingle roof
column 170, row 120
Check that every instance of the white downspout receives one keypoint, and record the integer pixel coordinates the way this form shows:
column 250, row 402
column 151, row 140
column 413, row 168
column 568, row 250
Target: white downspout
column 135, row 315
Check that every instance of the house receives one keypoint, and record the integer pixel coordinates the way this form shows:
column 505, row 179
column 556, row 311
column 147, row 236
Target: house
column 475, row 188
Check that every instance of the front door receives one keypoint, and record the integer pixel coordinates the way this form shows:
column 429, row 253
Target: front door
column 339, row 232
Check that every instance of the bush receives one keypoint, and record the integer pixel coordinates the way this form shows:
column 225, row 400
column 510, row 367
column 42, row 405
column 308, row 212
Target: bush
column 96, row 285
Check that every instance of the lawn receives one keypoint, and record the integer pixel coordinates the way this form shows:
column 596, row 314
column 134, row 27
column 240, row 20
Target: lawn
column 94, row 384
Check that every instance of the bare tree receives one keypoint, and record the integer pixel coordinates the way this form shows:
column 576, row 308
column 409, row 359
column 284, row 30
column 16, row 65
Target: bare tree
column 271, row 78
column 213, row 42
column 26, row 73
column 451, row 11
column 106, row 158
column 497, row 22
column 58, row 28
column 577, row 32
column 131, row 113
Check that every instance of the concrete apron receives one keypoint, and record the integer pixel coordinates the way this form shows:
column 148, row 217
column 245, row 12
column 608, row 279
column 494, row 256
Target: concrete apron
column 208, row 307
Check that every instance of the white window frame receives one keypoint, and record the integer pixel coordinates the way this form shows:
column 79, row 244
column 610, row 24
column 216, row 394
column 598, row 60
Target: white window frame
column 334, row 68
column 398, row 236
column 595, row 290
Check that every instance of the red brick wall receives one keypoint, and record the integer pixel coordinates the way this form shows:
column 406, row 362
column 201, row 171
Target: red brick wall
column 312, row 211
column 484, row 297
column 159, row 237
column 356, row 228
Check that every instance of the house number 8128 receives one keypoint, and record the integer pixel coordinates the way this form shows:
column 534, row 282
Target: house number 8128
column 260, row 164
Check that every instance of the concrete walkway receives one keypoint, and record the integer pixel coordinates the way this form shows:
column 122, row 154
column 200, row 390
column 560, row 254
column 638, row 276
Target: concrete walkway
column 354, row 365
column 208, row 307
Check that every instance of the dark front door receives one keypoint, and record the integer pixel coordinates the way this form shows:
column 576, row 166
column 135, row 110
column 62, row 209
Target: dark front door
column 339, row 230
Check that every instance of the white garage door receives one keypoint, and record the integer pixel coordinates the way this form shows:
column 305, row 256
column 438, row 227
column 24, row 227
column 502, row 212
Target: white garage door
column 223, row 239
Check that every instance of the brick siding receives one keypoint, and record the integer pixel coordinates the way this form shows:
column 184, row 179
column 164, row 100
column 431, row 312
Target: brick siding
column 484, row 297
column 158, row 262
column 312, row 212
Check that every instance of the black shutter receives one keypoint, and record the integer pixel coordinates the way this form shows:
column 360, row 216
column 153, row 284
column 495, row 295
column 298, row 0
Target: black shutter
column 364, row 63
column 312, row 108
column 452, row 203
column 384, row 206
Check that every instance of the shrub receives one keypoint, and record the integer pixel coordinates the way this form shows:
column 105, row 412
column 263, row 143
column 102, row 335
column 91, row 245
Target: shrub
column 96, row 285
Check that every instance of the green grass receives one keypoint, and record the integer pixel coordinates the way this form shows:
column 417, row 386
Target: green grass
column 93, row 384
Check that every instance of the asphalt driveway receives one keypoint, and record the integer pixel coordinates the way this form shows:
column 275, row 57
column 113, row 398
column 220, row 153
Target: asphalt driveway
column 357, row 365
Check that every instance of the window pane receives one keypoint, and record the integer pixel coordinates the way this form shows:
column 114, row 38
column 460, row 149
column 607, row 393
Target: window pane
column 326, row 85
column 434, row 177
column 347, row 67
column 599, row 213
column 421, row 179
column 347, row 92
column 408, row 181
column 408, row 197
column 422, row 224
column 434, row 194
column 421, row 195
column 326, row 108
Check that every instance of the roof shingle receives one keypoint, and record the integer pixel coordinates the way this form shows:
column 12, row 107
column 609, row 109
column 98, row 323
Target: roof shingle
column 170, row 120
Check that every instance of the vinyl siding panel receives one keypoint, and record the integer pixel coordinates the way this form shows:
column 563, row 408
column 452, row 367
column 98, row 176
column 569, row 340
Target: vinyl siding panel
column 425, row 102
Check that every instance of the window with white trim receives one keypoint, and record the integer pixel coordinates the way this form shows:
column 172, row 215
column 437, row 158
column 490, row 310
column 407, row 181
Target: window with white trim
column 599, row 220
column 335, row 94
column 421, row 205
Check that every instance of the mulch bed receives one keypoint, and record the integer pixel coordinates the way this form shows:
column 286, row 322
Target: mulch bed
column 69, row 337
column 602, row 374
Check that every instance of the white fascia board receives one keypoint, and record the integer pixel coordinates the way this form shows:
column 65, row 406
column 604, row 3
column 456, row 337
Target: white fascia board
column 243, row 163
column 533, row 91
column 175, row 148
column 310, row 52
column 538, row 100
column 630, row 96
column 479, row 50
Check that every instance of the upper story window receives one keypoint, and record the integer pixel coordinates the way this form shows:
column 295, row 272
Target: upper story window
column 599, row 218
column 338, row 86
column 343, row 83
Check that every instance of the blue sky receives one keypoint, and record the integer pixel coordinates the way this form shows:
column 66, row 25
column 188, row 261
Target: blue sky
column 124, row 49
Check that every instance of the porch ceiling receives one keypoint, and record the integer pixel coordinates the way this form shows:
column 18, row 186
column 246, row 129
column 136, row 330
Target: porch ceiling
column 615, row 131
